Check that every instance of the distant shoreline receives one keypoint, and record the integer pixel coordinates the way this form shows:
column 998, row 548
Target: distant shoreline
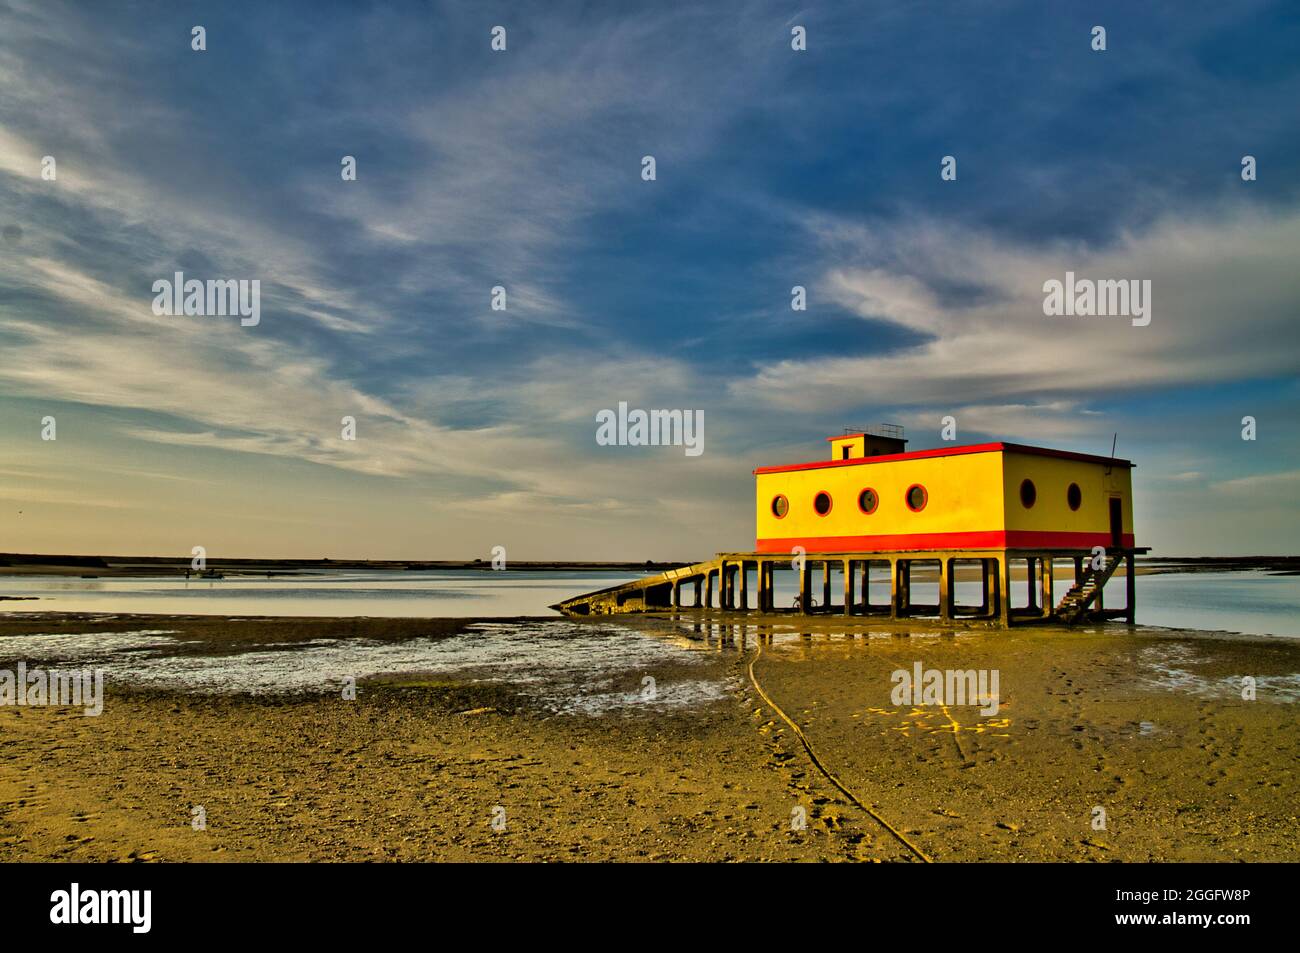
column 18, row 564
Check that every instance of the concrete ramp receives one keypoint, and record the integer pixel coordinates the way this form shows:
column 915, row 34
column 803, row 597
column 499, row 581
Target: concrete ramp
column 651, row 594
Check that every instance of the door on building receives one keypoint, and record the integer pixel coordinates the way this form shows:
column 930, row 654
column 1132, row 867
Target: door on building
column 1116, row 522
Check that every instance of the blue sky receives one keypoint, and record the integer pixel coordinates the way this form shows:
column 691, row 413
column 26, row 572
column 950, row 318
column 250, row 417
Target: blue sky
column 522, row 169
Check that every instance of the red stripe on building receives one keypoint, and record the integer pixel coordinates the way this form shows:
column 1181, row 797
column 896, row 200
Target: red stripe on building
column 991, row 539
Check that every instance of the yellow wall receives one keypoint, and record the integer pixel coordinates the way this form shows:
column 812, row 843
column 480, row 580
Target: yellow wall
column 965, row 495
column 1052, row 477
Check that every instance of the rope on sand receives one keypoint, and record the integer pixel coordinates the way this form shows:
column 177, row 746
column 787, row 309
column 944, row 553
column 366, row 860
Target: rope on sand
column 823, row 769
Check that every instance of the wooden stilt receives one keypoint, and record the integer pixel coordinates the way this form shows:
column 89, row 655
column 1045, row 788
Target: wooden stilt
column 902, row 589
column 1130, row 587
column 893, row 589
column 945, row 589
column 848, row 586
column 1004, row 590
column 1049, row 587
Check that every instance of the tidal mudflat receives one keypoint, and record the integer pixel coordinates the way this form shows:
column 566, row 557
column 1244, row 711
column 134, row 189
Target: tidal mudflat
column 544, row 739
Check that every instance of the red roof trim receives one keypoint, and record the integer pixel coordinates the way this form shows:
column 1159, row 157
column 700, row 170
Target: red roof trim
column 950, row 452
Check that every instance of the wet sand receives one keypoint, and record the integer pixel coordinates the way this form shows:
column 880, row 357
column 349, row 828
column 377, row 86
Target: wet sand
column 1148, row 726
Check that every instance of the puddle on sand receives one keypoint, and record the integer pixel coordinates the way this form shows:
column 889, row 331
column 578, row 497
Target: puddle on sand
column 81, row 647
column 563, row 667
column 1170, row 668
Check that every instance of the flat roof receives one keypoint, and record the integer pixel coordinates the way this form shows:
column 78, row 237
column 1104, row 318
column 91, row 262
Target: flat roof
column 863, row 433
column 952, row 452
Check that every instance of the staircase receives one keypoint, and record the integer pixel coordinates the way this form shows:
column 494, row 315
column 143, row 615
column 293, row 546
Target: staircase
column 1074, row 604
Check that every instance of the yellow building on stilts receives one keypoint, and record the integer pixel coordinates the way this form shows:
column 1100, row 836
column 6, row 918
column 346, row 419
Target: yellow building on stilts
column 972, row 512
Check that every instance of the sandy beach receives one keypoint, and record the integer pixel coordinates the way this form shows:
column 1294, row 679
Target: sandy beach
column 1148, row 726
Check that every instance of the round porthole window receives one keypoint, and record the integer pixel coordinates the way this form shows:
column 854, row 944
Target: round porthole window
column 868, row 501
column 1028, row 493
column 780, row 506
column 916, row 497
column 1074, row 496
column 822, row 503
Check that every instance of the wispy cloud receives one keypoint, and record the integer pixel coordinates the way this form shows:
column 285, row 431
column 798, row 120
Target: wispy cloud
column 523, row 170
column 1221, row 286
column 1286, row 482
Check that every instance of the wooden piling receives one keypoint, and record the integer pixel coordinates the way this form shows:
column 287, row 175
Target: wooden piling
column 1130, row 588
column 1031, row 581
column 1049, row 588
column 848, row 586
column 733, row 594
column 901, row 588
column 1004, row 591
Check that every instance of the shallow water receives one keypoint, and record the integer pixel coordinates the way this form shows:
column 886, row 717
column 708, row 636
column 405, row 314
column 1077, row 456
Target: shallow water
column 1252, row 603
column 590, row 667
column 391, row 594
column 1178, row 668
column 561, row 666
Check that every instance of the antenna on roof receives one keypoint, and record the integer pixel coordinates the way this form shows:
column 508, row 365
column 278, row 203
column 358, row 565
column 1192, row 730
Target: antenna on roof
column 1113, row 441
